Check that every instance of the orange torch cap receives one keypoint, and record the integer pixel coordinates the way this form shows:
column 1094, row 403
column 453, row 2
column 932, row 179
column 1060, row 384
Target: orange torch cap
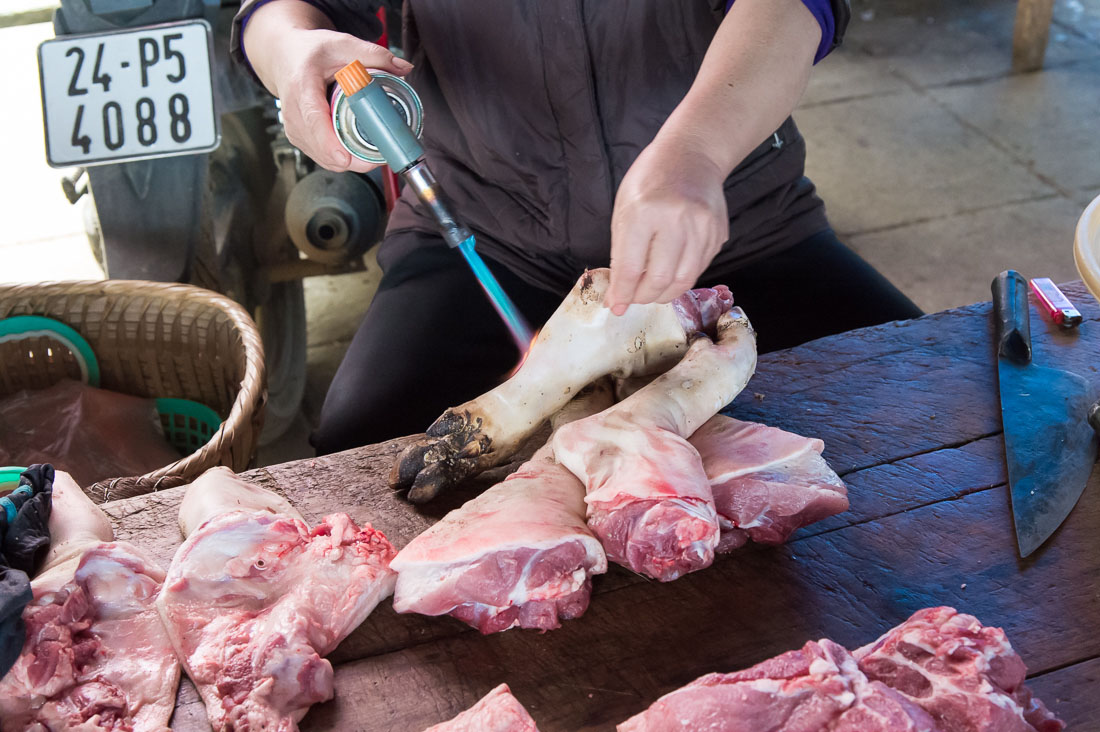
column 352, row 78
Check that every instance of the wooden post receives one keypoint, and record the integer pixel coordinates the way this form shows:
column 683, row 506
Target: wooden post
column 1029, row 43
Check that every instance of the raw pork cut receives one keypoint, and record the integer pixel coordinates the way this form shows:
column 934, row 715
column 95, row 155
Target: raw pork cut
column 520, row 554
column 766, row 482
column 816, row 689
column 649, row 500
column 96, row 656
column 581, row 342
column 939, row 671
column 497, row 711
column 967, row 676
column 254, row 598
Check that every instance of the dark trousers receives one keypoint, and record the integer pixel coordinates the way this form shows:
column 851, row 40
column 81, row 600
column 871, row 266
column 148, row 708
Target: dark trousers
column 430, row 339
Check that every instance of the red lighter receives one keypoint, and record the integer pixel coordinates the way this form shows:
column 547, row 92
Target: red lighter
column 1056, row 305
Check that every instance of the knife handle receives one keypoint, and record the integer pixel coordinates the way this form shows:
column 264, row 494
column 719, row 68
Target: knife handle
column 1010, row 316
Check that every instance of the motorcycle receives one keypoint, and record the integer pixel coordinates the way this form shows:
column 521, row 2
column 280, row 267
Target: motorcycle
column 188, row 175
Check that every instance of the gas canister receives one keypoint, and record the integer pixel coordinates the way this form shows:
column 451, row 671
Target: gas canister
column 355, row 138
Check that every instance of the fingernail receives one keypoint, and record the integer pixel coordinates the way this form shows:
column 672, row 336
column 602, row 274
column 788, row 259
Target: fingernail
column 618, row 309
column 401, row 64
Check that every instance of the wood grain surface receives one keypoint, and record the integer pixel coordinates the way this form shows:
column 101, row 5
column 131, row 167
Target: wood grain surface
column 910, row 417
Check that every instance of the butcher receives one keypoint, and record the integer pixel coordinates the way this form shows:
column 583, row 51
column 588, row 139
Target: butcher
column 651, row 136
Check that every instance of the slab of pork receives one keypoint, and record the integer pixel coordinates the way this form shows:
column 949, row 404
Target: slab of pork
column 816, row 689
column 581, row 342
column 939, row 671
column 96, row 656
column 497, row 711
column 254, row 598
column 649, row 499
column 766, row 482
column 966, row 675
column 520, row 554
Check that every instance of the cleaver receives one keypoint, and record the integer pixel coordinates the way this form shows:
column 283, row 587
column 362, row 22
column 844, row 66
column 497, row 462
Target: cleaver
column 1049, row 443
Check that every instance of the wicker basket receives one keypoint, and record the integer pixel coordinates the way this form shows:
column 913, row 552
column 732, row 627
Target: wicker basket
column 153, row 340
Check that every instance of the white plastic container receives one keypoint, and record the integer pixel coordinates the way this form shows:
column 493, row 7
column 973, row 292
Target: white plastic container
column 1086, row 247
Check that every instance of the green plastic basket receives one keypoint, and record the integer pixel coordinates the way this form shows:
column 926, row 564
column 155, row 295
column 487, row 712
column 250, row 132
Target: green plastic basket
column 22, row 327
column 9, row 477
column 187, row 425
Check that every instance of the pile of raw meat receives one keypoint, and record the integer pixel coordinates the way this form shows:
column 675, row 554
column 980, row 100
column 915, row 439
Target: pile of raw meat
column 255, row 598
column 657, row 482
column 640, row 469
column 939, row 671
column 251, row 603
column 497, row 711
column 96, row 655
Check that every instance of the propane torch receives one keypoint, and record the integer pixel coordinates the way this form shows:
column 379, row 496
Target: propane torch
column 377, row 119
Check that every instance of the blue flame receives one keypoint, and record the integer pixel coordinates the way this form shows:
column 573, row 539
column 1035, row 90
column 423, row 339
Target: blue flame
column 507, row 310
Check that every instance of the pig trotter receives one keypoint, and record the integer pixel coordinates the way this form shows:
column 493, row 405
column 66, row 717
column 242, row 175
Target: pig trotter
column 409, row 463
column 580, row 343
column 451, row 451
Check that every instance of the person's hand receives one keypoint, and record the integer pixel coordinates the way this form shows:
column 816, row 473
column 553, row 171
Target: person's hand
column 296, row 59
column 669, row 221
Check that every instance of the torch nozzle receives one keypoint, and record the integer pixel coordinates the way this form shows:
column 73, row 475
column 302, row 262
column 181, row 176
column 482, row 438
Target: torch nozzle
column 419, row 177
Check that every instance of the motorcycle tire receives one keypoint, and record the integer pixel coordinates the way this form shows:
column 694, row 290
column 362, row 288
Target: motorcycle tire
column 242, row 177
column 282, row 323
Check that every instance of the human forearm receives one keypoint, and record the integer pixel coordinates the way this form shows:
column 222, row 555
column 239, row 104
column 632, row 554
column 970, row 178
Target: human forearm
column 751, row 79
column 267, row 27
column 670, row 215
column 295, row 52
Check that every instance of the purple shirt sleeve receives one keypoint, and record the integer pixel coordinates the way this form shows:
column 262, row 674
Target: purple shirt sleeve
column 363, row 22
column 247, row 15
column 823, row 13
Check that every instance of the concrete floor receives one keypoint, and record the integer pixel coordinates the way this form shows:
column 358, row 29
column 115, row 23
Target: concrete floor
column 937, row 164
column 940, row 166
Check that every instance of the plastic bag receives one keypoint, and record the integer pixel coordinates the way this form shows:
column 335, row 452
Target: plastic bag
column 93, row 434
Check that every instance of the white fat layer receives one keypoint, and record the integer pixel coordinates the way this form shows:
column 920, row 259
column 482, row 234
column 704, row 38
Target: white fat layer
column 758, row 521
column 768, row 686
column 943, row 685
column 560, row 586
column 821, row 666
column 699, row 509
column 592, row 546
column 422, row 580
column 119, row 590
column 845, row 699
column 239, row 540
column 760, row 467
column 915, row 637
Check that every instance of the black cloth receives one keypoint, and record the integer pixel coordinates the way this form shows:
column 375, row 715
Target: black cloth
column 24, row 543
column 814, row 289
column 15, row 594
column 430, row 339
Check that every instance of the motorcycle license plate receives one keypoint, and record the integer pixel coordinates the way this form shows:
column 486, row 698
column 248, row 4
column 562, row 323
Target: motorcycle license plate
column 129, row 94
